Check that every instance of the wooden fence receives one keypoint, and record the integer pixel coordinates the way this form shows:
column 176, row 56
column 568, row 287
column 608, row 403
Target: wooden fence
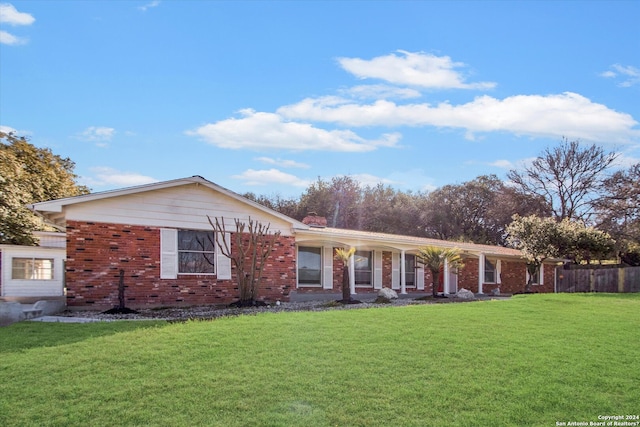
column 619, row 279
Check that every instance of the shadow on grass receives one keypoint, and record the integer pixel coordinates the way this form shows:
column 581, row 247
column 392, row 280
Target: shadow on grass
column 27, row 335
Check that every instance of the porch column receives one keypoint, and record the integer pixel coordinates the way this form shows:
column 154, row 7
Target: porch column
column 446, row 277
column 480, row 272
column 352, row 276
column 403, row 278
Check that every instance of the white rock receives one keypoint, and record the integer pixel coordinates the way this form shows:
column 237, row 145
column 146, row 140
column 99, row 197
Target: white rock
column 388, row 293
column 465, row 294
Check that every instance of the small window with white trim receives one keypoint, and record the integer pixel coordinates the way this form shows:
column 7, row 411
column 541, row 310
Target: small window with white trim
column 363, row 264
column 196, row 252
column 410, row 270
column 32, row 268
column 309, row 266
column 490, row 272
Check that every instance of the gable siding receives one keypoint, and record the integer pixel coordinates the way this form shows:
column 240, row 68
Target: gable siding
column 183, row 207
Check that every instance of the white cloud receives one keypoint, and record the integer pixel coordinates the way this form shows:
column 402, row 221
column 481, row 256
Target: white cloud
column 380, row 91
column 502, row 164
column 98, row 134
column 563, row 115
column 109, row 177
column 267, row 131
column 412, row 69
column 7, row 129
column 270, row 176
column 154, row 3
column 10, row 39
column 630, row 75
column 9, row 15
column 283, row 163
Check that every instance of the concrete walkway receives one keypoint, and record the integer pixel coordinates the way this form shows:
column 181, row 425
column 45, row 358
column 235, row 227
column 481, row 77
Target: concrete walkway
column 64, row 319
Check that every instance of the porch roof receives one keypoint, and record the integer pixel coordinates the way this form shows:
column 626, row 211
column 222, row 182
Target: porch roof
column 358, row 238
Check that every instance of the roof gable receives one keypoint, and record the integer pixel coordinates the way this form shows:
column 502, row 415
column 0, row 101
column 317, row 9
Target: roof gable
column 185, row 201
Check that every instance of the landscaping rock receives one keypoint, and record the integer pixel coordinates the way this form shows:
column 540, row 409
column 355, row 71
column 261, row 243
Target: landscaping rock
column 10, row 312
column 387, row 293
column 465, row 294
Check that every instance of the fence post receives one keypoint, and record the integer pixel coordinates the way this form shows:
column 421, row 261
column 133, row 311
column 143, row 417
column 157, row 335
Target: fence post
column 621, row 280
column 592, row 280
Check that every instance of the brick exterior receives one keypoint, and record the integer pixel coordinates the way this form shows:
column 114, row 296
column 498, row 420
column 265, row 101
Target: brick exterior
column 97, row 251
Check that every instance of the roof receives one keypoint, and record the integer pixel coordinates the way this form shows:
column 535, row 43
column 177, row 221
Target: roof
column 364, row 238
column 53, row 210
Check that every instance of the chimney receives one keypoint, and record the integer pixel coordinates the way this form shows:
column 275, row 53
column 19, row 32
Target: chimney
column 313, row 220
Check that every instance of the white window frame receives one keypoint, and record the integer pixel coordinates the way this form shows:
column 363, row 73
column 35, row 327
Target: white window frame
column 35, row 273
column 494, row 264
column 169, row 256
column 320, row 268
column 211, row 253
column 371, row 271
column 540, row 277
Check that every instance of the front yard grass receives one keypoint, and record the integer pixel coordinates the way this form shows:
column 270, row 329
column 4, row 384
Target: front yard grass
column 532, row 360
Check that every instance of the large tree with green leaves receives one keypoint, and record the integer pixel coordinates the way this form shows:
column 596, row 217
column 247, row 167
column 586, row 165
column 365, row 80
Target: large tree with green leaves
column 30, row 174
column 478, row 210
column 537, row 238
column 434, row 258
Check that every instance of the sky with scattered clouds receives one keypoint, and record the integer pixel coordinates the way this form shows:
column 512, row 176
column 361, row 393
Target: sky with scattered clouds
column 268, row 96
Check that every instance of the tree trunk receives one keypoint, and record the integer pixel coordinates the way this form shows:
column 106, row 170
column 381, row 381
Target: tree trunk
column 346, row 288
column 436, row 280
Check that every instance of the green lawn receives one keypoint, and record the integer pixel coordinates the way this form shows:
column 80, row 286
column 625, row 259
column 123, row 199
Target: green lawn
column 531, row 360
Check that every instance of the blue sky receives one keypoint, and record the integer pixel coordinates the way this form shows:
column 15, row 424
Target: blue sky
column 267, row 96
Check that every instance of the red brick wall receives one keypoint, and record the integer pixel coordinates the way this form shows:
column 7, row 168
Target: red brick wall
column 97, row 251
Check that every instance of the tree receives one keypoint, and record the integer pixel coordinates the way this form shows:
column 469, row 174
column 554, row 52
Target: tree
column 537, row 238
column 248, row 253
column 344, row 255
column 568, row 177
column 29, row 174
column 434, row 258
column 336, row 200
column 579, row 243
column 478, row 210
column 618, row 212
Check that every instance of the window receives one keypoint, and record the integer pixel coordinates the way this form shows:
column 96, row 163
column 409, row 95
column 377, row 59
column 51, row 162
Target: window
column 363, row 267
column 410, row 271
column 309, row 266
column 489, row 271
column 196, row 253
column 32, row 268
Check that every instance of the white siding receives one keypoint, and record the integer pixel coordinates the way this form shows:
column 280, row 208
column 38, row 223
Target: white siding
column 32, row 288
column 184, row 207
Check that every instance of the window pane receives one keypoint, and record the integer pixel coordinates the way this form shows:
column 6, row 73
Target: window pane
column 489, row 271
column 362, row 260
column 193, row 240
column 32, row 268
column 410, row 271
column 195, row 262
column 363, row 263
column 309, row 265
